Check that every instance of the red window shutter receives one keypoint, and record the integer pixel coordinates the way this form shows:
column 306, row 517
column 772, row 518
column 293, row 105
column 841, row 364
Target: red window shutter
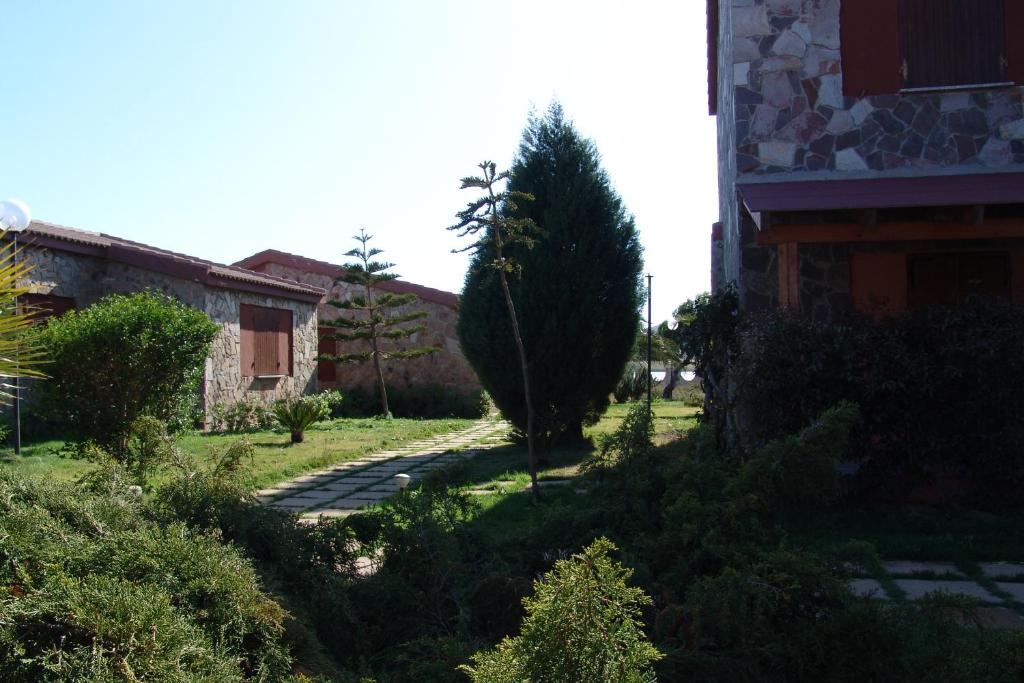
column 951, row 42
column 878, row 283
column 1013, row 39
column 870, row 47
column 247, row 339
column 283, row 339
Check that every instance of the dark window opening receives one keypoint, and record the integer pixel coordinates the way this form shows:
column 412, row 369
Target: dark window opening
column 327, row 371
column 946, row 43
column 955, row 278
column 45, row 306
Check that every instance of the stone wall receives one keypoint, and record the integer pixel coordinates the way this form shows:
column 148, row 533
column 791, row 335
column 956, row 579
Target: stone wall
column 447, row 368
column 87, row 279
column 791, row 114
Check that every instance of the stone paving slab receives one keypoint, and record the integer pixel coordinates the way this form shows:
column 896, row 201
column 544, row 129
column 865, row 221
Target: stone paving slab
column 346, row 487
column 364, row 497
column 1016, row 590
column 918, row 588
column 1002, row 570
column 908, row 567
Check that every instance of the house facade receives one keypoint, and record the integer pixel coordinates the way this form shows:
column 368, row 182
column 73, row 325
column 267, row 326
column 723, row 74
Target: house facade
column 871, row 152
column 267, row 345
column 447, row 368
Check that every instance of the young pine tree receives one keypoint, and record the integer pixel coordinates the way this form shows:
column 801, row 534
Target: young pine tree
column 374, row 318
column 487, row 220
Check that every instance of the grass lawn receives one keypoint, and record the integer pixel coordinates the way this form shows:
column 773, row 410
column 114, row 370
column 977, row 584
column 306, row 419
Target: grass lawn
column 509, row 512
column 275, row 460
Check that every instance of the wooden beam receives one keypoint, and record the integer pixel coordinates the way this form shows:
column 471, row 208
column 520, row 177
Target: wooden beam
column 890, row 232
column 789, row 275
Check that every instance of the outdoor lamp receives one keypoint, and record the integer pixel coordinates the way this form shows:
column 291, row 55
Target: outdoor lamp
column 15, row 217
column 403, row 480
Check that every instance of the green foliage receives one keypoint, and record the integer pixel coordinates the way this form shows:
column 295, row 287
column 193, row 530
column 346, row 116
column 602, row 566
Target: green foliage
column 938, row 391
column 375, row 319
column 21, row 354
column 122, row 358
column 632, row 441
column 95, row 591
column 428, row 402
column 149, row 448
column 297, row 414
column 582, row 624
column 576, row 291
column 633, row 383
column 245, row 415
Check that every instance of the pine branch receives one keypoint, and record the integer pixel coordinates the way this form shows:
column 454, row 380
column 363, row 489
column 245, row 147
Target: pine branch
column 407, row 317
column 349, row 357
column 401, row 332
column 412, row 353
column 396, row 300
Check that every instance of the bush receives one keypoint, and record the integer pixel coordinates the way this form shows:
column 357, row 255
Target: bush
column 428, row 402
column 938, row 390
column 296, row 414
column 122, row 358
column 96, row 591
column 246, row 415
column 583, row 624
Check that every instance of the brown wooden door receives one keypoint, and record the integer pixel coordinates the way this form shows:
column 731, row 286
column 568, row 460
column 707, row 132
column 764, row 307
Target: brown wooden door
column 327, row 371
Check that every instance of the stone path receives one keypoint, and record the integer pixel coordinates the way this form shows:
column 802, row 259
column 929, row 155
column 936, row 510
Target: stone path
column 344, row 488
column 999, row 590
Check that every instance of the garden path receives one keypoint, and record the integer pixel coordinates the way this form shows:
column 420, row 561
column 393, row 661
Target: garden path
column 998, row 587
column 344, row 488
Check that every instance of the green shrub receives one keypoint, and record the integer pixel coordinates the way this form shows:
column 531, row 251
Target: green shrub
column 96, row 591
column 582, row 624
column 632, row 441
column 122, row 358
column 429, row 402
column 938, row 391
column 297, row 414
column 245, row 415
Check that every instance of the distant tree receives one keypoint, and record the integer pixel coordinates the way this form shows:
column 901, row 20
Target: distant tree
column 577, row 291
column 373, row 318
column 496, row 232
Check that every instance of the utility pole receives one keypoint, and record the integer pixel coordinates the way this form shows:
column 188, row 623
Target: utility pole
column 649, row 378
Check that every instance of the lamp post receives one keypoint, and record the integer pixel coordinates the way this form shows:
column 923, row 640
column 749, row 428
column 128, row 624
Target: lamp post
column 15, row 217
column 649, row 378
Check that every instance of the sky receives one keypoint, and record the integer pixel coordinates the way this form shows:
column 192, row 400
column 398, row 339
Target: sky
column 222, row 128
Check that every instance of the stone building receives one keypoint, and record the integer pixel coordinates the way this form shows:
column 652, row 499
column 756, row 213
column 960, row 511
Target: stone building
column 871, row 152
column 267, row 346
column 447, row 368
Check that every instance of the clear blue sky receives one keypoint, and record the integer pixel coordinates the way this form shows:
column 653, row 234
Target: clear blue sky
column 222, row 128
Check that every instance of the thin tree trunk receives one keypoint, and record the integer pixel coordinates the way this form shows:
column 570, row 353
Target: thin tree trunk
column 531, row 454
column 374, row 352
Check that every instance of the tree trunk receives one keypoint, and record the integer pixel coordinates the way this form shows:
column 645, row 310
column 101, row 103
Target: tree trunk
column 671, row 380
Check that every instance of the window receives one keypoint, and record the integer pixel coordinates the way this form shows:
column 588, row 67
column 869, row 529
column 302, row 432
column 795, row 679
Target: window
column 891, row 45
column 951, row 42
column 955, row 278
column 46, row 305
column 266, row 341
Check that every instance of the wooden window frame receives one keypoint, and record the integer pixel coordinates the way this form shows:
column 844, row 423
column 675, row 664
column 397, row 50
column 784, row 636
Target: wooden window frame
column 266, row 341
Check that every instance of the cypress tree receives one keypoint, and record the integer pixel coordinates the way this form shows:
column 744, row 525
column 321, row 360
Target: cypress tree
column 373, row 320
column 578, row 289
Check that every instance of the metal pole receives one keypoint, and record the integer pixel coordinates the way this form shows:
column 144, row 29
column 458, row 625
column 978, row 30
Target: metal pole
column 17, row 380
column 649, row 378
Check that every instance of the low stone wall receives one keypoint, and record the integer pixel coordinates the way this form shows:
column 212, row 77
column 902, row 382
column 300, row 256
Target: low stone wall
column 88, row 279
column 447, row 368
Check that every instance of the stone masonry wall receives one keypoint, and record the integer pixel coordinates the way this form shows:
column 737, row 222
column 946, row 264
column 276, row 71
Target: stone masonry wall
column 791, row 115
column 448, row 367
column 88, row 279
